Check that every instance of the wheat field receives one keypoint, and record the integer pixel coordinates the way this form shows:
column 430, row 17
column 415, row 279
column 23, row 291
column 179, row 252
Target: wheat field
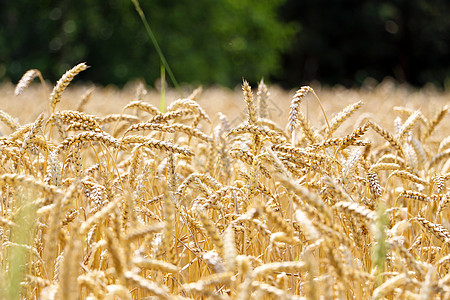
column 318, row 193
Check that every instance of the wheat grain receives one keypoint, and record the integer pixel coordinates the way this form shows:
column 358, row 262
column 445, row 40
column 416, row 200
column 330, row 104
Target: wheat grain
column 116, row 253
column 251, row 107
column 118, row 117
column 408, row 112
column 24, row 180
column 32, row 133
column 444, row 144
column 154, row 264
column 384, row 166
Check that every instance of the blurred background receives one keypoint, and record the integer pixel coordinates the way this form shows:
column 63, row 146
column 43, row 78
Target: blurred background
column 288, row 42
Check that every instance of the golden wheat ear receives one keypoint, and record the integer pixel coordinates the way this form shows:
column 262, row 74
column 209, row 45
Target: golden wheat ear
column 62, row 83
column 251, row 107
column 27, row 78
column 85, row 99
column 294, row 108
column 342, row 116
column 262, row 98
column 11, row 122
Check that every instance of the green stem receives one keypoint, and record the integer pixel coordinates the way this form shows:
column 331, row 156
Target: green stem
column 162, row 102
column 156, row 45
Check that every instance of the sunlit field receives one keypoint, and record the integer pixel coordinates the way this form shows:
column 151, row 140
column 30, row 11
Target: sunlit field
column 252, row 193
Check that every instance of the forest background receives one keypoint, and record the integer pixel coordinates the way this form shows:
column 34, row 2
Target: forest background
column 207, row 42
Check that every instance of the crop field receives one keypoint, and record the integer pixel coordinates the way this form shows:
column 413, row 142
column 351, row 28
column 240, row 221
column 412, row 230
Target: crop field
column 253, row 193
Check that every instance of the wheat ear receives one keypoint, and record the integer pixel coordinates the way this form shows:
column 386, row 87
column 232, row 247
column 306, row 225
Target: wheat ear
column 251, row 107
column 12, row 123
column 342, row 116
column 436, row 229
column 439, row 157
column 351, row 138
column 85, row 99
column 192, row 105
column 90, row 136
column 262, row 97
column 414, row 195
column 409, row 124
column 144, row 106
column 294, row 108
column 27, row 78
column 393, row 141
column 272, row 135
column 435, row 122
column 444, row 144
column 32, row 133
column 409, row 176
column 72, row 116
column 152, row 143
column 62, row 83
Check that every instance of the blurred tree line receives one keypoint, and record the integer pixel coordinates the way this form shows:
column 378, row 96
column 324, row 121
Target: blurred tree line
column 204, row 41
column 287, row 41
column 345, row 41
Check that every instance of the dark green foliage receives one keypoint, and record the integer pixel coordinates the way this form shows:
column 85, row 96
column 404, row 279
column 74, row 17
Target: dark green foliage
column 204, row 41
column 221, row 41
column 345, row 41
